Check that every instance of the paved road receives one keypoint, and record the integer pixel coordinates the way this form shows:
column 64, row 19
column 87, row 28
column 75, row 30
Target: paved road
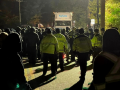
column 62, row 81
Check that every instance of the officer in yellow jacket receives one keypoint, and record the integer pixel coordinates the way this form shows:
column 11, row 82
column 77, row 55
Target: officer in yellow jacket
column 106, row 70
column 82, row 47
column 49, row 48
column 63, row 47
column 96, row 43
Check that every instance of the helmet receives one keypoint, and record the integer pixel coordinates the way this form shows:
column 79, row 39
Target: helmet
column 111, row 40
column 96, row 30
column 81, row 31
column 48, row 30
column 57, row 30
column 90, row 29
column 32, row 30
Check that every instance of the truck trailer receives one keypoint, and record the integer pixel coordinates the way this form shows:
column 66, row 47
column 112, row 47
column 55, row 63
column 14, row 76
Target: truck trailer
column 63, row 20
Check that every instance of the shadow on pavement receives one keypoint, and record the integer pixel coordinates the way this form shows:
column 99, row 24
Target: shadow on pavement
column 49, row 68
column 30, row 65
column 77, row 86
column 90, row 67
column 40, row 81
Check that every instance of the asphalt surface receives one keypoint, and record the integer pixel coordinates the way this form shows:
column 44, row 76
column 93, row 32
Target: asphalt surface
column 62, row 81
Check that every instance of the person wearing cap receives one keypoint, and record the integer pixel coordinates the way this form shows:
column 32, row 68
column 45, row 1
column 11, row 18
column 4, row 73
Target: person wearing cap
column 82, row 47
column 63, row 47
column 96, row 43
column 106, row 70
column 49, row 48
column 102, row 31
column 11, row 58
column 32, row 42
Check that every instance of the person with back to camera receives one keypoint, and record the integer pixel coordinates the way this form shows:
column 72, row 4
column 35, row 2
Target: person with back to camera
column 106, row 70
column 13, row 70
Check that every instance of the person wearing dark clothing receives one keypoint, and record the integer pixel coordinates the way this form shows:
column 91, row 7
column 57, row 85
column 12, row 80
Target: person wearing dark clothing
column 102, row 31
column 40, row 36
column 49, row 49
column 7, row 30
column 91, row 35
column 13, row 73
column 82, row 47
column 18, row 30
column 32, row 41
column 106, row 70
column 23, row 42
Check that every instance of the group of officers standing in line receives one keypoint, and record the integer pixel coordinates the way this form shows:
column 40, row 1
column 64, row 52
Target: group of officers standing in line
column 52, row 45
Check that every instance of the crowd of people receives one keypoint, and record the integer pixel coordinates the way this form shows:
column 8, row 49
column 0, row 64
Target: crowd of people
column 51, row 44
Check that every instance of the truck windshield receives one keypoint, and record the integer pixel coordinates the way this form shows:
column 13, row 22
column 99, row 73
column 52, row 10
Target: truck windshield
column 63, row 23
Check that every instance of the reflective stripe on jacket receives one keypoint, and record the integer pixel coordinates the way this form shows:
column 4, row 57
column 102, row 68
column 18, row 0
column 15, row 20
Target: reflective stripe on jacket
column 113, row 75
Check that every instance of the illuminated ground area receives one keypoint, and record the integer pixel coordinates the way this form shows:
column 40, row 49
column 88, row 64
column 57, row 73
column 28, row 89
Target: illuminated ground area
column 62, row 81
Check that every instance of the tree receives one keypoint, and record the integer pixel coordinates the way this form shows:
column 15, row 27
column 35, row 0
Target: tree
column 7, row 17
column 112, row 15
column 93, row 10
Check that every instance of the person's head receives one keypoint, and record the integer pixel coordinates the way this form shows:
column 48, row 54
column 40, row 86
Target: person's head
column 102, row 31
column 81, row 31
column 12, row 43
column 63, row 31
column 28, row 27
column 67, row 29
column 48, row 30
column 96, row 31
column 32, row 30
column 111, row 41
column 18, row 30
column 7, row 30
column 57, row 30
column 90, row 30
column 22, row 31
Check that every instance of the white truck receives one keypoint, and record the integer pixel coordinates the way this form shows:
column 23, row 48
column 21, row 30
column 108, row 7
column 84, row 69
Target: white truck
column 63, row 19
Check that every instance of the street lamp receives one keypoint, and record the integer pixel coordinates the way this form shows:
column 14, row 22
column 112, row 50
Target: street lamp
column 19, row 10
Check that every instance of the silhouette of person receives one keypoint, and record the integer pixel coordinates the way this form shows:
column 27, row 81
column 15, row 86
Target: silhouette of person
column 13, row 71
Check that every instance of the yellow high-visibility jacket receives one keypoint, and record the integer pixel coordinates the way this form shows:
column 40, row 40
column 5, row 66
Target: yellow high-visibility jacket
column 82, row 44
column 62, row 42
column 97, row 41
column 49, row 45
